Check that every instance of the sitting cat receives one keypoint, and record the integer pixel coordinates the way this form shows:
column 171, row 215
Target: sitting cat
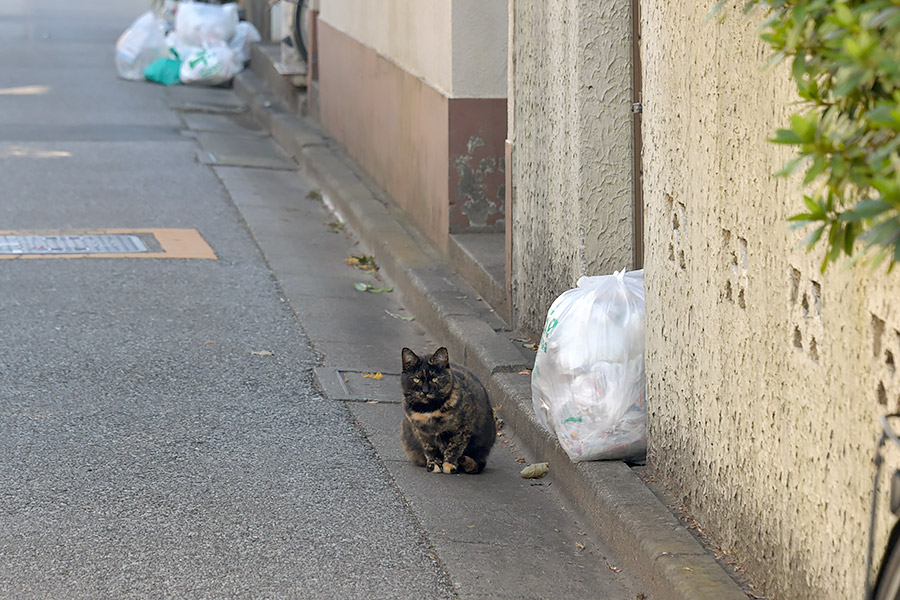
column 448, row 421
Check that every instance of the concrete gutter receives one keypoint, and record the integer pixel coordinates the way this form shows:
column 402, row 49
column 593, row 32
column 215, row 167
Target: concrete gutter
column 668, row 559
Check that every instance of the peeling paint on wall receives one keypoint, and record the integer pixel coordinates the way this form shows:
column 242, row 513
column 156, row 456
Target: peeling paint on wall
column 477, row 170
column 478, row 210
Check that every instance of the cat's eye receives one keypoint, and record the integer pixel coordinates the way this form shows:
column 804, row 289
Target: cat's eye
column 415, row 380
column 434, row 379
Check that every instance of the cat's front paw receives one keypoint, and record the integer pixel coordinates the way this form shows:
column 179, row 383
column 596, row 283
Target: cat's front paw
column 433, row 466
column 449, row 468
column 469, row 465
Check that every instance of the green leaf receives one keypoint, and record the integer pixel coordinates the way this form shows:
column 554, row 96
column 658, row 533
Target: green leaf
column 850, row 237
column 842, row 14
column 815, row 170
column 715, row 9
column 817, row 210
column 361, row 287
column 889, row 188
column 884, row 116
column 854, row 48
column 798, row 68
column 869, row 209
column 813, row 238
column 401, row 317
column 838, row 166
column 882, row 17
column 844, row 63
column 884, row 151
column 885, row 233
column 804, row 127
column 803, row 218
column 786, row 136
column 848, row 79
column 790, row 167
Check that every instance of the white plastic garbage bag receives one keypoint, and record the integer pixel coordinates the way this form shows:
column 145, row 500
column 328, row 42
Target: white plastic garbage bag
column 212, row 65
column 140, row 45
column 198, row 24
column 245, row 35
column 588, row 379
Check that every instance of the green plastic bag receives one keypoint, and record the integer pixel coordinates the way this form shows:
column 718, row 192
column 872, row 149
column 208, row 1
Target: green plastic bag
column 164, row 71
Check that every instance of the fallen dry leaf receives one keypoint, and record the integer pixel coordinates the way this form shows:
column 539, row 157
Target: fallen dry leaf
column 613, row 569
column 377, row 376
column 520, row 460
column 262, row 353
column 208, row 343
column 525, row 372
column 363, row 262
column 580, row 546
column 535, row 471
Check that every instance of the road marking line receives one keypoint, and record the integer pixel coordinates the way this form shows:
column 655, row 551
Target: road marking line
column 175, row 243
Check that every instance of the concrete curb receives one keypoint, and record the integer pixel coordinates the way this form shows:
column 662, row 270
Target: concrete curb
column 655, row 545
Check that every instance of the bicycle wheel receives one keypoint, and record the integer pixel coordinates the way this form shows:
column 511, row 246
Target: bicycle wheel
column 301, row 29
column 888, row 587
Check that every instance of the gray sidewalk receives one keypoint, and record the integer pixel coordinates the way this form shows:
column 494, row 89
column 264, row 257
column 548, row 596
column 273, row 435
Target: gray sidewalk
column 652, row 542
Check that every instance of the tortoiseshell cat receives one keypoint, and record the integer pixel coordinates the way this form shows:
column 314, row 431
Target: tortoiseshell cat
column 448, row 422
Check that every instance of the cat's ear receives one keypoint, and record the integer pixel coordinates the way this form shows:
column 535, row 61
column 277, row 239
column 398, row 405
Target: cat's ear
column 410, row 360
column 441, row 358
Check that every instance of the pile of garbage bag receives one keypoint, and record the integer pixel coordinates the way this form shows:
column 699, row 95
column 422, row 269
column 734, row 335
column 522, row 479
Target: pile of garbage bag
column 186, row 42
column 588, row 379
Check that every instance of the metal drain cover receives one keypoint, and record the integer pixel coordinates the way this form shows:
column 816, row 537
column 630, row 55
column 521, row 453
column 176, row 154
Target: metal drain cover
column 358, row 386
column 72, row 244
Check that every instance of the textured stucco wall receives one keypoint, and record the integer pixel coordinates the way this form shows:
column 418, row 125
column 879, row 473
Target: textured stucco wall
column 572, row 148
column 456, row 46
column 762, row 374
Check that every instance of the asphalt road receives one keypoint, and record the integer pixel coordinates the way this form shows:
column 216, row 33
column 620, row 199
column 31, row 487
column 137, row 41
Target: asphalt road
column 145, row 451
column 162, row 429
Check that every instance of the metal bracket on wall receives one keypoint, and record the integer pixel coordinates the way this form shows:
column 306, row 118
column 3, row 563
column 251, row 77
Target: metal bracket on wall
column 637, row 108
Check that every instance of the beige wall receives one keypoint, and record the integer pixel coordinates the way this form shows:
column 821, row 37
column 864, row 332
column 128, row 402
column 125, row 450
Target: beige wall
column 415, row 92
column 762, row 373
column 455, row 46
column 479, row 48
column 391, row 123
column 570, row 125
